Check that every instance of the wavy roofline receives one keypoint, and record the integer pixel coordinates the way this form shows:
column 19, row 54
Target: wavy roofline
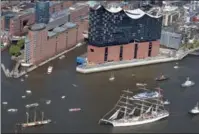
column 127, row 12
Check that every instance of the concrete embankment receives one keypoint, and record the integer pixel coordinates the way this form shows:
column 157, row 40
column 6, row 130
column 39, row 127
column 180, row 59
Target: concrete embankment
column 46, row 61
column 125, row 64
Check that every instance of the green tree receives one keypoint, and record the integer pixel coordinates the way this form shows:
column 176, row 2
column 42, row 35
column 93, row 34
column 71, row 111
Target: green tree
column 14, row 50
column 21, row 43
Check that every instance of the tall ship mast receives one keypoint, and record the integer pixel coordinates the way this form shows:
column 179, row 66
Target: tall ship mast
column 129, row 112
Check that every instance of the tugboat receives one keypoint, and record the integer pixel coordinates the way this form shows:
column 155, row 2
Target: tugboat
column 162, row 78
column 129, row 112
column 195, row 110
column 188, row 83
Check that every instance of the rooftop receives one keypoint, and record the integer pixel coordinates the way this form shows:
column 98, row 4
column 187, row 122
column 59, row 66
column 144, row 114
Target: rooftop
column 78, row 6
column 57, row 22
column 36, row 27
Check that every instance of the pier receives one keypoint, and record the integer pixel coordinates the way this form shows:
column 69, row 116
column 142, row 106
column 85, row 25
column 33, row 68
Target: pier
column 179, row 55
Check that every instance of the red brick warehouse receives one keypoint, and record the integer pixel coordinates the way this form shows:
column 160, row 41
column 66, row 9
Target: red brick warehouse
column 116, row 34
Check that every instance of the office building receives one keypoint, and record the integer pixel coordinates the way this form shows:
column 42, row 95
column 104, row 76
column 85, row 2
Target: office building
column 42, row 12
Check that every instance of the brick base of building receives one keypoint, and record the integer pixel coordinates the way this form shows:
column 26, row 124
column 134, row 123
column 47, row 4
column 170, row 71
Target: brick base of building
column 96, row 55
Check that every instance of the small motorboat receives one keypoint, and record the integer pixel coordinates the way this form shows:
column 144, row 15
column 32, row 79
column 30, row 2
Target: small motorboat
column 195, row 110
column 61, row 57
column 49, row 71
column 12, row 110
column 141, row 84
column 32, row 105
column 22, row 79
column 188, row 83
column 74, row 85
column 26, row 75
column 175, row 67
column 4, row 103
column 23, row 97
column 112, row 78
column 74, row 109
column 162, row 78
column 28, row 91
column 63, row 97
column 166, row 102
column 79, row 44
column 48, row 102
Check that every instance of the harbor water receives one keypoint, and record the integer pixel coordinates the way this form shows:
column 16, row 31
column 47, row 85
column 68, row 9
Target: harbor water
column 96, row 95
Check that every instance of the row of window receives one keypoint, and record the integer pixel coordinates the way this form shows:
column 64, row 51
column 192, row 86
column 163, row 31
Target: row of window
column 121, row 52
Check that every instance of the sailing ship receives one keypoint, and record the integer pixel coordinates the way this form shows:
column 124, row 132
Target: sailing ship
column 35, row 122
column 130, row 112
column 195, row 110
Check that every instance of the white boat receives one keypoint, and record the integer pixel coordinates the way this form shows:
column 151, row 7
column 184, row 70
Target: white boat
column 32, row 105
column 112, row 78
column 79, row 44
column 23, row 96
column 166, row 102
column 74, row 109
column 12, row 110
column 146, row 95
column 28, row 91
column 195, row 110
column 49, row 71
column 35, row 123
column 175, row 67
column 4, row 103
column 63, row 97
column 134, row 112
column 61, row 57
column 26, row 75
column 141, row 84
column 48, row 102
column 74, row 85
column 22, row 79
column 188, row 83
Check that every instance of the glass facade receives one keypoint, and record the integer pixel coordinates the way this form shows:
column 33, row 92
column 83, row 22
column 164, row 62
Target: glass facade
column 7, row 21
column 106, row 28
column 42, row 12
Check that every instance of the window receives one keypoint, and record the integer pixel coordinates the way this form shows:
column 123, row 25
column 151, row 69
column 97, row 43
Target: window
column 135, row 51
column 92, row 50
column 150, row 49
column 121, row 52
column 106, row 54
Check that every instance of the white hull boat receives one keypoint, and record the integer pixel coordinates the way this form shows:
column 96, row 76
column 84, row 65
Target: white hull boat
column 137, row 121
column 195, row 110
column 37, row 123
column 188, row 83
column 146, row 95
column 141, row 84
column 32, row 105
column 126, row 114
column 79, row 44
column 166, row 102
column 61, row 57
column 12, row 110
column 175, row 67
column 112, row 78
column 49, row 71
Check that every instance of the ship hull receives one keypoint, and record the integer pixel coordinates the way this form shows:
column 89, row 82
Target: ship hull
column 134, row 123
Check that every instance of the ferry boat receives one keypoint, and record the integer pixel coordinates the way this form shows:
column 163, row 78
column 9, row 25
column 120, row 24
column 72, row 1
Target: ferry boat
column 35, row 122
column 49, row 71
column 128, row 112
column 146, row 95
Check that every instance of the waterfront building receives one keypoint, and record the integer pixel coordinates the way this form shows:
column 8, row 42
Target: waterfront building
column 42, row 12
column 47, row 40
column 171, row 39
column 116, row 34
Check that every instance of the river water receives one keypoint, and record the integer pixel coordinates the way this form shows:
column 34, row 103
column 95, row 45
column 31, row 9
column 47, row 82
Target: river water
column 96, row 95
